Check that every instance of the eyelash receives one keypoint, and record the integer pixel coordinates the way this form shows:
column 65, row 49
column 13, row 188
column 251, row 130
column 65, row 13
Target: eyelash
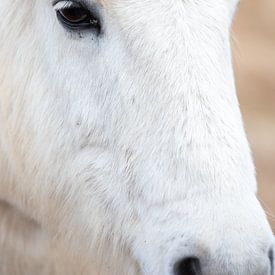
column 60, row 5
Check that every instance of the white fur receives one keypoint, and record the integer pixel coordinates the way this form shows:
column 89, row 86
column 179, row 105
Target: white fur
column 126, row 152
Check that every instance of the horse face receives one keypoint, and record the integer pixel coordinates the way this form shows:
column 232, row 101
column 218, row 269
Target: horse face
column 131, row 134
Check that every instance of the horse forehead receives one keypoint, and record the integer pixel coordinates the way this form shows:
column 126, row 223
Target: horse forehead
column 144, row 3
column 146, row 9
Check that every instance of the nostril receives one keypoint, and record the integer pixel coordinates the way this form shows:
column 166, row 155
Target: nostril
column 271, row 258
column 188, row 266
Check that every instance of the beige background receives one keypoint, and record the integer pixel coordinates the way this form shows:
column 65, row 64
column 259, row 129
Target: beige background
column 254, row 58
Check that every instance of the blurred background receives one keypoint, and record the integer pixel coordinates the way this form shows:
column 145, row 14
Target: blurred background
column 253, row 40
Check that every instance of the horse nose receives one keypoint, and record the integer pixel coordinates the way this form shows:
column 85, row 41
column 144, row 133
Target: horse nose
column 188, row 266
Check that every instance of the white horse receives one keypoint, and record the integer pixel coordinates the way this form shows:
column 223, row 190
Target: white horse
column 122, row 149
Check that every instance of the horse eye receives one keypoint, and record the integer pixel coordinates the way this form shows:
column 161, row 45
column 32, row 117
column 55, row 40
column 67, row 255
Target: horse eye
column 75, row 16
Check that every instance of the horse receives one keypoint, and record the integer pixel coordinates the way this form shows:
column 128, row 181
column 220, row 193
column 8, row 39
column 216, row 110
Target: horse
column 122, row 146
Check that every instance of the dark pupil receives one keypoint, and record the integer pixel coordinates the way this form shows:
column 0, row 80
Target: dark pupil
column 75, row 14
